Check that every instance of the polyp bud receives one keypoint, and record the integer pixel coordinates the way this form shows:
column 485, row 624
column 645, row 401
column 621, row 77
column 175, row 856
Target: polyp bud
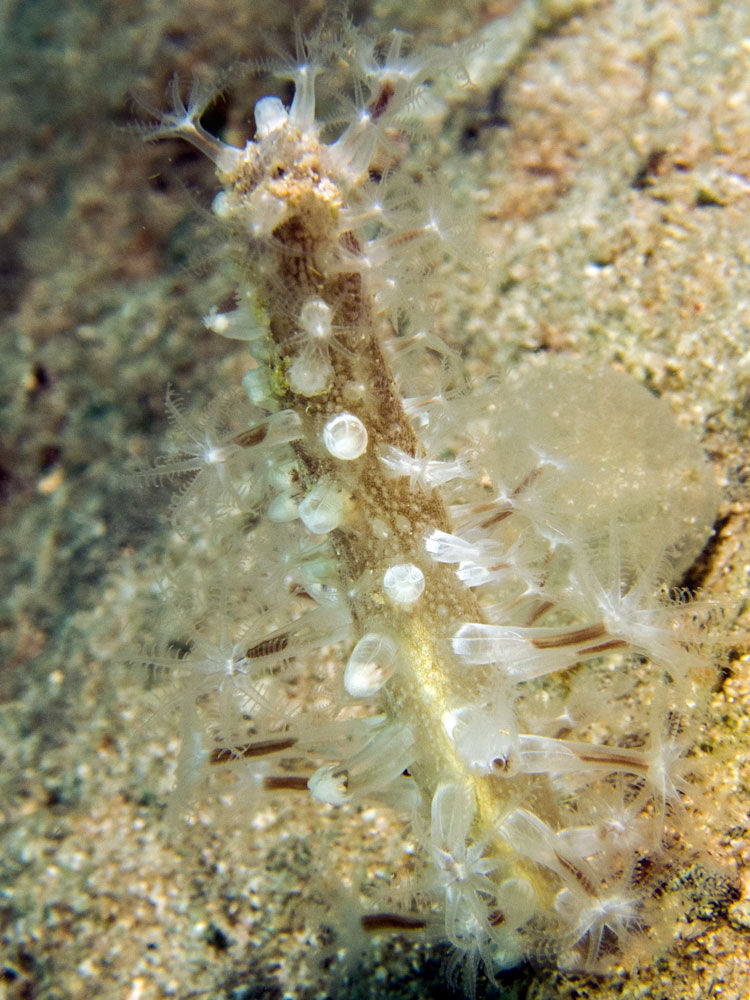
column 345, row 437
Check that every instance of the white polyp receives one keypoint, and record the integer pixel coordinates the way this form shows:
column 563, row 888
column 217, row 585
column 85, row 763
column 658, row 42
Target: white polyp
column 450, row 548
column 355, row 147
column 370, row 664
column 330, row 783
column 310, row 374
column 315, row 319
column 426, row 472
column 228, row 158
column 216, row 322
column 248, row 321
column 565, row 905
column 220, row 205
column 523, row 653
column 530, row 836
column 379, row 528
column 281, row 473
column 399, row 463
column 256, row 385
column 283, row 508
column 283, row 427
column 453, row 809
column 270, row 115
column 473, row 558
column 321, row 509
column 403, row 583
column 302, row 111
column 485, row 738
column 382, row 760
column 474, row 576
column 266, row 212
column 345, row 437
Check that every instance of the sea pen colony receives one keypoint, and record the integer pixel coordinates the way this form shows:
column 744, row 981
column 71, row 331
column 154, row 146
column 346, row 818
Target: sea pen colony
column 488, row 568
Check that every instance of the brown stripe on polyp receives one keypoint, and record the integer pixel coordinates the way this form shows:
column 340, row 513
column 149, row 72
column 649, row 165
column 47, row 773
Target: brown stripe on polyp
column 571, row 638
column 246, row 439
column 259, row 749
column 391, row 922
column 285, row 783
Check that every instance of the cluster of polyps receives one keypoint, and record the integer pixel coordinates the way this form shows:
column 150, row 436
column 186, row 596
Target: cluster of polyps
column 489, row 562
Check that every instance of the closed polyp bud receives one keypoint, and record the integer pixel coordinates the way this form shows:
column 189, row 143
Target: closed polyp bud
column 270, row 115
column 403, row 583
column 281, row 473
column 267, row 212
column 249, row 321
column 315, row 319
column 220, row 206
column 256, row 385
column 370, row 665
column 321, row 509
column 283, row 508
column 283, row 427
column 310, row 374
column 330, row 783
column 345, row 436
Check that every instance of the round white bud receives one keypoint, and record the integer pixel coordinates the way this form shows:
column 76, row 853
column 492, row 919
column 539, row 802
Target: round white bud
column 403, row 583
column 345, row 437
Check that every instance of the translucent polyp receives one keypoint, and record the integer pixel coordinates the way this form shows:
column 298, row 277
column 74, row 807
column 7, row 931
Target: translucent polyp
column 270, row 115
column 485, row 737
column 426, row 472
column 310, row 373
column 330, row 783
column 322, row 509
column 257, row 386
column 315, row 319
column 371, row 663
column 373, row 769
column 283, row 427
column 524, row 653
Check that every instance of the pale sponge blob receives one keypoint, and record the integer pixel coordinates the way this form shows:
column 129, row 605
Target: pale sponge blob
column 581, row 453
